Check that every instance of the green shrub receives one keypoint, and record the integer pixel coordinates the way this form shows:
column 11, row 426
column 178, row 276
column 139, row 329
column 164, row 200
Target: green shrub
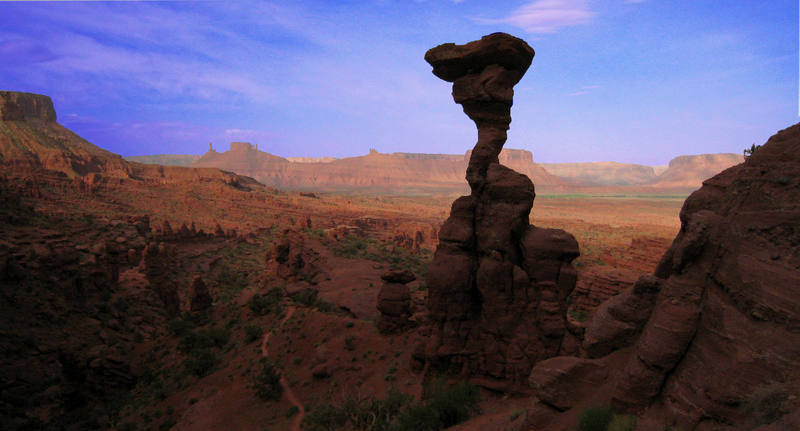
column 204, row 339
column 270, row 302
column 350, row 342
column 252, row 333
column 622, row 423
column 452, row 405
column 291, row 411
column 441, row 407
column 325, row 417
column 351, row 246
column 179, row 326
column 267, row 382
column 201, row 363
column 309, row 297
column 595, row 418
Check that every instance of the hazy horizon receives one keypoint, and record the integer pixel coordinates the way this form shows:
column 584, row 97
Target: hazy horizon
column 633, row 81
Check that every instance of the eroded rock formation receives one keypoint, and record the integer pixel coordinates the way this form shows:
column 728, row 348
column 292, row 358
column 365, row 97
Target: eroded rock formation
column 291, row 259
column 730, row 295
column 497, row 285
column 711, row 341
column 199, row 297
column 394, row 301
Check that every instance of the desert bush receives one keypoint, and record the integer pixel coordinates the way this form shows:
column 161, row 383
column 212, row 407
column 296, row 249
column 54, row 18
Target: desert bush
column 252, row 333
column 325, row 417
column 595, row 418
column 749, row 151
column 201, row 362
column 217, row 336
column 351, row 246
column 441, row 407
column 622, row 423
column 230, row 283
column 309, row 298
column 452, row 405
column 268, row 303
column 579, row 315
column 350, row 342
column 267, row 382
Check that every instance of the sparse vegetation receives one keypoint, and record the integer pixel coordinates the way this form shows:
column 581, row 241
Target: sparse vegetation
column 603, row 418
column 269, row 303
column 200, row 363
column 309, row 298
column 217, row 336
column 356, row 247
column 267, row 382
column 579, row 315
column 749, row 151
column 441, row 407
column 252, row 333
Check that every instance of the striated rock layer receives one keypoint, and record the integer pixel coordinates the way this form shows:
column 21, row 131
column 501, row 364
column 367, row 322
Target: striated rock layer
column 711, row 341
column 497, row 285
column 726, row 323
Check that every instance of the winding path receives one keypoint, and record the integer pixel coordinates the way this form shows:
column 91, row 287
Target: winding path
column 301, row 412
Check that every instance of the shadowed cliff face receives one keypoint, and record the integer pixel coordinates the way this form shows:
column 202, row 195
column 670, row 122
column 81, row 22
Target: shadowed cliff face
column 712, row 339
column 497, row 285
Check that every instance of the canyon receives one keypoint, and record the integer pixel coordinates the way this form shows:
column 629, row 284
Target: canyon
column 236, row 292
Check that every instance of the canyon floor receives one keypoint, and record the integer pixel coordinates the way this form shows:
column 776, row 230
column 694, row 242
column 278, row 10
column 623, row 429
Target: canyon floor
column 315, row 330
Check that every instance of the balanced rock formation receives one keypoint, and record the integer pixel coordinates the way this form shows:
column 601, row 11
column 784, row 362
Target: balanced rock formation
column 497, row 285
column 394, row 301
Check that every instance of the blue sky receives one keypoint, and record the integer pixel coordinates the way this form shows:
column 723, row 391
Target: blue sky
column 636, row 81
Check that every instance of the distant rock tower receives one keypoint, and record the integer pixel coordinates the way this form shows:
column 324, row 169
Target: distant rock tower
column 210, row 147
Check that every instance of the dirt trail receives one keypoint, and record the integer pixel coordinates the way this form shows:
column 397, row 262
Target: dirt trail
column 301, row 411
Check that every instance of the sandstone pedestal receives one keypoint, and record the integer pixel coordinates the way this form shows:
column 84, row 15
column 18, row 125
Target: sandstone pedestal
column 497, row 285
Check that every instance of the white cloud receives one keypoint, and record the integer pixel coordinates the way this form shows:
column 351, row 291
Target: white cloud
column 584, row 90
column 547, row 16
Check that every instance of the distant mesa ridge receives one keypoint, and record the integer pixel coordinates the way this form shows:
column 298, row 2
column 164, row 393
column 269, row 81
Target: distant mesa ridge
column 400, row 171
column 444, row 172
column 17, row 106
column 32, row 142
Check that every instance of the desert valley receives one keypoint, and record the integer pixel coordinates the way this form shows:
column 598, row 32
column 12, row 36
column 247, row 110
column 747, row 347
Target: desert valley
column 243, row 290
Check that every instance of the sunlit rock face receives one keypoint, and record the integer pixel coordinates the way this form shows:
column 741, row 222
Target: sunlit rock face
column 497, row 285
column 17, row 106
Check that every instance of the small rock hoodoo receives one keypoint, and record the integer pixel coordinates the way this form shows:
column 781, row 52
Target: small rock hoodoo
column 497, row 285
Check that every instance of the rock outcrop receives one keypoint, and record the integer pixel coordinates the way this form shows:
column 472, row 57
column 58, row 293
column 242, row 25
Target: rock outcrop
column 16, row 106
column 688, row 172
column 730, row 295
column 291, row 259
column 199, row 297
column 711, row 341
column 394, row 301
column 156, row 264
column 497, row 285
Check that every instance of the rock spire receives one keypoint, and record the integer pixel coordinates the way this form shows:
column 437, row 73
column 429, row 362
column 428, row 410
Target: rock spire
column 497, row 285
